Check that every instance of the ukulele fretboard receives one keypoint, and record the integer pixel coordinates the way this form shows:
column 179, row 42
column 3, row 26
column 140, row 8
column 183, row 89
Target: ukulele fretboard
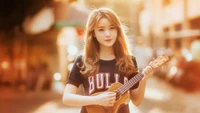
column 124, row 88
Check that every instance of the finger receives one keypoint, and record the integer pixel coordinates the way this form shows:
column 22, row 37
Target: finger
column 147, row 70
column 111, row 103
column 144, row 71
column 112, row 94
column 145, row 74
column 112, row 99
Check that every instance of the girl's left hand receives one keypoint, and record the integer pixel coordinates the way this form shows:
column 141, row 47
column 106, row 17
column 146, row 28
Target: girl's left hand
column 147, row 71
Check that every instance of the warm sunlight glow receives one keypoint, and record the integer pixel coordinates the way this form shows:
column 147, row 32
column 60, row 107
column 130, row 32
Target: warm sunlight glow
column 49, row 106
column 4, row 64
column 156, row 110
column 72, row 50
column 54, row 107
column 57, row 76
column 188, row 57
column 133, row 108
column 70, row 66
column 173, row 71
column 67, row 36
column 156, row 94
column 40, row 22
column 186, row 54
column 70, row 58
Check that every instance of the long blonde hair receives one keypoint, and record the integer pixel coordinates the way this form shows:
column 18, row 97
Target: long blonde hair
column 91, row 49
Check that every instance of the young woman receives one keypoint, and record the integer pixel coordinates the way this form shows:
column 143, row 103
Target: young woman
column 106, row 60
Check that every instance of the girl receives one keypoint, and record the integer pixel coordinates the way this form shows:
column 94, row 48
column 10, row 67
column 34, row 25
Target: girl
column 106, row 60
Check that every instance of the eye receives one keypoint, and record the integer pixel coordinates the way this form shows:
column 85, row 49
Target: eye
column 101, row 30
column 112, row 27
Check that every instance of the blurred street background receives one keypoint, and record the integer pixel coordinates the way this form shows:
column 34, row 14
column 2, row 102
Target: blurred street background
column 40, row 39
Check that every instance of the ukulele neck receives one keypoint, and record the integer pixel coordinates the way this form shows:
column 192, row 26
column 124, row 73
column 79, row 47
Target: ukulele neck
column 124, row 88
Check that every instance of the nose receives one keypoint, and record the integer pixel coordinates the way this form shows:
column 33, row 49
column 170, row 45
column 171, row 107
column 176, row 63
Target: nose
column 107, row 32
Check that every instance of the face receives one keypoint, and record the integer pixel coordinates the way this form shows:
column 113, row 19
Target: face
column 105, row 33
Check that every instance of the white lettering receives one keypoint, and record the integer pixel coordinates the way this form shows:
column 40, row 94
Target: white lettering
column 91, row 84
column 100, row 80
column 116, row 77
column 107, row 75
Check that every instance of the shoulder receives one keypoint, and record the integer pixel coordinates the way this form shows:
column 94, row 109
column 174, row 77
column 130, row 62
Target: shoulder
column 134, row 60
column 132, row 57
column 79, row 58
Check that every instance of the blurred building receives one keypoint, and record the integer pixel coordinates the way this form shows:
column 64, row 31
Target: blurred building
column 35, row 43
column 170, row 23
column 50, row 32
column 174, row 26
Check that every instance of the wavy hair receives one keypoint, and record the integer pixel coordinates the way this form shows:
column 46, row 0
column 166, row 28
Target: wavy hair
column 91, row 49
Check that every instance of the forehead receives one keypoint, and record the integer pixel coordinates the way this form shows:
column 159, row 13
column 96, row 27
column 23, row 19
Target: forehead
column 104, row 22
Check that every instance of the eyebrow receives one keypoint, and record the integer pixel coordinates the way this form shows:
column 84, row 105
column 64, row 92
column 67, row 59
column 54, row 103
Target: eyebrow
column 104, row 26
column 100, row 26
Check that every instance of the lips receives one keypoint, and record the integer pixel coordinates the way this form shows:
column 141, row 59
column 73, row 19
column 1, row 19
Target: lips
column 108, row 40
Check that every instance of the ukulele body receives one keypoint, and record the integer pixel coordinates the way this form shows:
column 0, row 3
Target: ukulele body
column 124, row 98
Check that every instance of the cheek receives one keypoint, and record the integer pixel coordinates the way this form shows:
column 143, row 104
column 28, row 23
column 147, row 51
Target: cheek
column 98, row 39
column 99, row 36
column 114, row 34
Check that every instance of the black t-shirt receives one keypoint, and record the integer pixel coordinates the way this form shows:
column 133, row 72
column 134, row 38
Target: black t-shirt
column 100, row 82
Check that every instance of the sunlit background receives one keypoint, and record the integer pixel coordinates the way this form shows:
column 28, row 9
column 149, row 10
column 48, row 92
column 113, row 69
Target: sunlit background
column 40, row 39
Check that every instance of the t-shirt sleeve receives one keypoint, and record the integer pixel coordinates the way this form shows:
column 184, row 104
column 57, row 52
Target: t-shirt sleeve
column 135, row 73
column 75, row 77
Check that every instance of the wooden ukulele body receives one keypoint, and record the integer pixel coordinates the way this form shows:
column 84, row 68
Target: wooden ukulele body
column 124, row 98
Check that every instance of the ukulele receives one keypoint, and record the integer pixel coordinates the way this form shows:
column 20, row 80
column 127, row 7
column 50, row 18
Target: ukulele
column 122, row 90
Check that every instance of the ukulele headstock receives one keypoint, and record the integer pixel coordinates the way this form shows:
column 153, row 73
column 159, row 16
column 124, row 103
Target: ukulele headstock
column 160, row 60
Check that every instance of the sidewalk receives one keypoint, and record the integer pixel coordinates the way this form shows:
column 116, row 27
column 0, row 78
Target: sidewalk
column 160, row 97
column 14, row 101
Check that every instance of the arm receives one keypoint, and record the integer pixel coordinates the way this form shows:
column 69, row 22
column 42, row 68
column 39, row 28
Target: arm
column 137, row 95
column 71, row 98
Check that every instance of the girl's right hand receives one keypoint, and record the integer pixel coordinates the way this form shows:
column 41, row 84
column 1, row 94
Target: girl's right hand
column 106, row 99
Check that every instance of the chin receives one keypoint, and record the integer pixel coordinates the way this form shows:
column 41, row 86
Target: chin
column 110, row 45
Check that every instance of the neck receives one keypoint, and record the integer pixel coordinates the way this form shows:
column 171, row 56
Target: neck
column 107, row 53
